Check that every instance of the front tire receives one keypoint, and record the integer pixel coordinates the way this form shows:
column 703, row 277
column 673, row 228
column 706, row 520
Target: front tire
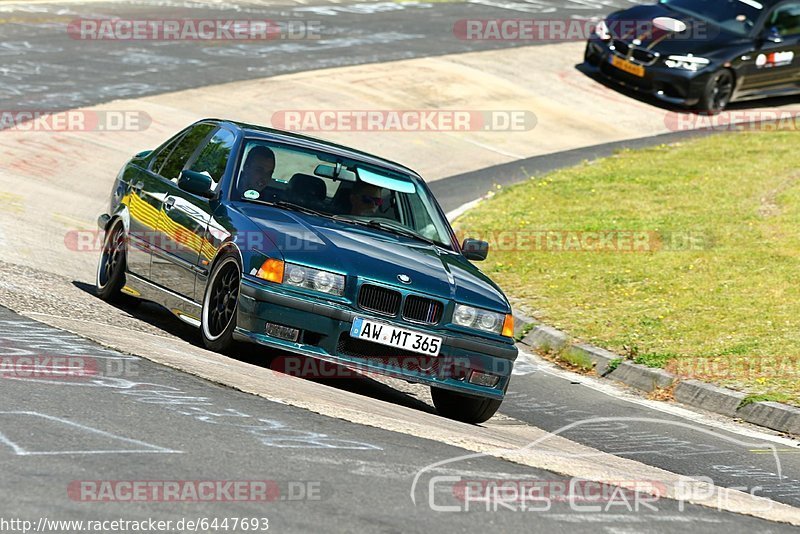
column 717, row 93
column 111, row 269
column 220, row 304
column 465, row 408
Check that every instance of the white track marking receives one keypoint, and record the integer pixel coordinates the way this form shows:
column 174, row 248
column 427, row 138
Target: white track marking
column 21, row 451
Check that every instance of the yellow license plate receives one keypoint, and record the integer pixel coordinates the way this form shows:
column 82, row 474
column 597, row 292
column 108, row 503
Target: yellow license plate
column 627, row 66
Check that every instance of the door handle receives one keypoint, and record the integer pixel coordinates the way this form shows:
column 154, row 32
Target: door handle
column 169, row 203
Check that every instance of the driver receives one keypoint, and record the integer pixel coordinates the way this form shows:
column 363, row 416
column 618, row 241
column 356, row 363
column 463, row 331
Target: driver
column 365, row 199
column 257, row 170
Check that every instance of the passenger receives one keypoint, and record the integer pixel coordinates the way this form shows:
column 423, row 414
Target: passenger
column 365, row 199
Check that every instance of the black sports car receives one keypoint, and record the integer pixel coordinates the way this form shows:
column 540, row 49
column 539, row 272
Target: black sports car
column 701, row 53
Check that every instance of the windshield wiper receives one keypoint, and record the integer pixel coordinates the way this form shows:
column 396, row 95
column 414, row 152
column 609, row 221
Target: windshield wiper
column 291, row 206
column 381, row 225
column 298, row 207
column 400, row 230
column 372, row 223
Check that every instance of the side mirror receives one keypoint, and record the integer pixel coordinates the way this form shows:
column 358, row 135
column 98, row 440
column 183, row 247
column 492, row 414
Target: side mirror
column 475, row 249
column 772, row 35
column 196, row 183
column 142, row 155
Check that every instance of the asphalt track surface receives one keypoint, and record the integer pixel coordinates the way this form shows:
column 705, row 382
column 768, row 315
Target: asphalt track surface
column 130, row 426
column 603, row 417
column 69, row 441
column 43, row 68
column 454, row 192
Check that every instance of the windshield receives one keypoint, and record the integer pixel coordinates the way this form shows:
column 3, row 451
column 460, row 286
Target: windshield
column 737, row 16
column 331, row 186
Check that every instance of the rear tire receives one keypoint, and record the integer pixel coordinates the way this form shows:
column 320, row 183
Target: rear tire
column 717, row 93
column 220, row 304
column 465, row 408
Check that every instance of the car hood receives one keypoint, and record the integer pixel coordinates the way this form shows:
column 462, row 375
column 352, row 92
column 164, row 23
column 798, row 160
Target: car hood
column 700, row 38
column 375, row 255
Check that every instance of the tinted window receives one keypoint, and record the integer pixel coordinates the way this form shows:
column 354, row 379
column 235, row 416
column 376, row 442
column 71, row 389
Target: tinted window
column 163, row 154
column 737, row 16
column 786, row 19
column 214, row 157
column 186, row 147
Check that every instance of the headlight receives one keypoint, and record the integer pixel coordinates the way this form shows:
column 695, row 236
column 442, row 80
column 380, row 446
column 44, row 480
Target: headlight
column 485, row 320
column 464, row 315
column 601, row 30
column 315, row 279
column 689, row 62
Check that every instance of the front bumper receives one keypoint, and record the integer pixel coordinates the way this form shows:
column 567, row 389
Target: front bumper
column 324, row 334
column 674, row 86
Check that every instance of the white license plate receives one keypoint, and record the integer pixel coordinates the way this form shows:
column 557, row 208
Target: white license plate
column 389, row 335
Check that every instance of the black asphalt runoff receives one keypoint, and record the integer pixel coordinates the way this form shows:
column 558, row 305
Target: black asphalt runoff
column 455, row 191
column 132, row 440
column 60, row 439
column 44, row 67
column 627, row 428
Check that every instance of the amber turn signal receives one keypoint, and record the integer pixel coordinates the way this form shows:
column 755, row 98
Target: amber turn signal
column 271, row 271
column 508, row 326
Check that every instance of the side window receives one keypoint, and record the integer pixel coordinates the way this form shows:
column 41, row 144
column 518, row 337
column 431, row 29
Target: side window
column 786, row 19
column 214, row 157
column 163, row 154
column 176, row 161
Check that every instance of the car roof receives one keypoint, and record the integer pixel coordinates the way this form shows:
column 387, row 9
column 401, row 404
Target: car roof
column 254, row 131
column 765, row 3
